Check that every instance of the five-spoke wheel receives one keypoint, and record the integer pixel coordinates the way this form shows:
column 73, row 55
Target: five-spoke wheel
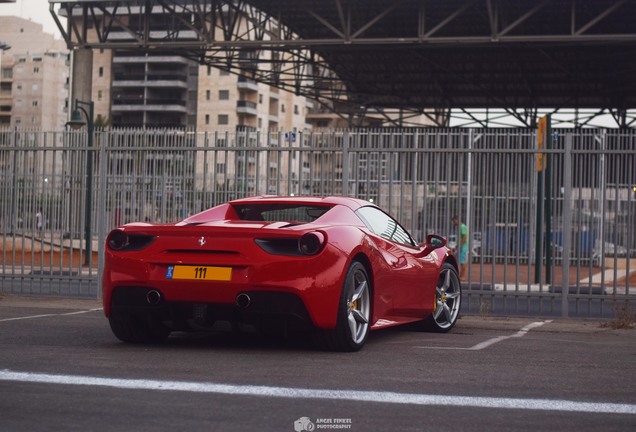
column 354, row 312
column 448, row 295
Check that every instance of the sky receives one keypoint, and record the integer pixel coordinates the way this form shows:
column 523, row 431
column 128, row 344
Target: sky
column 35, row 10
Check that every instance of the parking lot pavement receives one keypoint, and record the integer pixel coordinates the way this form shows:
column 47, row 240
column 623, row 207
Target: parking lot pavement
column 48, row 302
column 552, row 325
column 473, row 322
column 488, row 373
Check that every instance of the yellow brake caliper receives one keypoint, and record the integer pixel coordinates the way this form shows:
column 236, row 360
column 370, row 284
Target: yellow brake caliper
column 442, row 299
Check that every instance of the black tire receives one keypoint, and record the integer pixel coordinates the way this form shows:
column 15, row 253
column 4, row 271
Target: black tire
column 448, row 296
column 354, row 312
column 138, row 328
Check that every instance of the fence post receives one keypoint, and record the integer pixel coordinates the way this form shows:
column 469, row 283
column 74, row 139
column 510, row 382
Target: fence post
column 567, row 224
column 469, row 195
column 602, row 199
column 14, row 184
column 345, row 163
column 102, row 226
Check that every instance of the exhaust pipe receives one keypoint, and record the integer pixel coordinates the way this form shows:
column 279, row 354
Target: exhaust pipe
column 153, row 297
column 243, row 301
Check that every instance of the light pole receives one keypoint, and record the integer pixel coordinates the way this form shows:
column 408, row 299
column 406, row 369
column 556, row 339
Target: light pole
column 76, row 122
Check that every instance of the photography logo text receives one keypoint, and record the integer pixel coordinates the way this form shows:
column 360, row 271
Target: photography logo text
column 305, row 424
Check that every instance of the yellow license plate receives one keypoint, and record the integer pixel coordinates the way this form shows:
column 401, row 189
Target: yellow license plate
column 199, row 273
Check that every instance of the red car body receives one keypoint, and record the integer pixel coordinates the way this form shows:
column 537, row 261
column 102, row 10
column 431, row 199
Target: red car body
column 235, row 263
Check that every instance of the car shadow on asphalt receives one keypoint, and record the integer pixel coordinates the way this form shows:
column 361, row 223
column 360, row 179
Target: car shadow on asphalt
column 233, row 340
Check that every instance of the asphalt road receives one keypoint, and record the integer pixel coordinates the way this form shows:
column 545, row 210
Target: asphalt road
column 593, row 305
column 62, row 369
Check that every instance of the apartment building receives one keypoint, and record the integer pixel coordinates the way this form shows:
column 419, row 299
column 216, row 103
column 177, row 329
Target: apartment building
column 34, row 81
column 159, row 90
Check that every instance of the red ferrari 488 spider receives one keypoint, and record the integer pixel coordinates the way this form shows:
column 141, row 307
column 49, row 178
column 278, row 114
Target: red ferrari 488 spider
column 337, row 266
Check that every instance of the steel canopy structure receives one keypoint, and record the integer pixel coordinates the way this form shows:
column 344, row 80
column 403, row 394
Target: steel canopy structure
column 432, row 57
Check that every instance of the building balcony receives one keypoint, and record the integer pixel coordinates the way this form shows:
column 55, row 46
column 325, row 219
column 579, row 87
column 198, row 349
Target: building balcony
column 247, row 84
column 250, row 160
column 150, row 59
column 169, row 80
column 184, row 35
column 135, row 104
column 246, row 107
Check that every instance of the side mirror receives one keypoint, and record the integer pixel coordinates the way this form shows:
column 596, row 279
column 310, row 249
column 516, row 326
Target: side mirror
column 433, row 241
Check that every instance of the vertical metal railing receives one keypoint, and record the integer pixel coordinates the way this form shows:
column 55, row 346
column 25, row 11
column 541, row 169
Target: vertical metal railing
column 422, row 176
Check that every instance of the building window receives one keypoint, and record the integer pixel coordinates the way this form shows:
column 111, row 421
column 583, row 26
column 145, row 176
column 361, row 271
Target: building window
column 224, row 95
column 207, row 95
column 99, row 95
column 207, row 119
column 36, row 70
column 34, row 103
column 220, row 167
column 260, row 98
column 260, row 123
column 295, row 109
column 7, row 73
column 101, row 71
column 224, row 119
column 209, row 70
column 282, row 108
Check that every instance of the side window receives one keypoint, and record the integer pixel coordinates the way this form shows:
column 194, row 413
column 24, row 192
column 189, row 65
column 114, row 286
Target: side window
column 384, row 225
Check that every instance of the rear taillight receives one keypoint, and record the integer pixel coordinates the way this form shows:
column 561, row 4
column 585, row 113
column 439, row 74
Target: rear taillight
column 117, row 240
column 311, row 243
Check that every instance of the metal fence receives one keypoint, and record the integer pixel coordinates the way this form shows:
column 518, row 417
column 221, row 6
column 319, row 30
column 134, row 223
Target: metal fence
column 560, row 241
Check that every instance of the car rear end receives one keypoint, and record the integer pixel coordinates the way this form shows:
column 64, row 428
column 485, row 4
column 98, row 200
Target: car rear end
column 245, row 272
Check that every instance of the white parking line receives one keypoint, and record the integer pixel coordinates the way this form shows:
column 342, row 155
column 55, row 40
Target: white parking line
column 492, row 341
column 344, row 395
column 49, row 315
column 520, row 333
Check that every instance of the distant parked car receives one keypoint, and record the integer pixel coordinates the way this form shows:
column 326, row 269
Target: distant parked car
column 609, row 250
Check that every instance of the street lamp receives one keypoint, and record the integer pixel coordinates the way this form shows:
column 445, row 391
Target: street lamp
column 77, row 122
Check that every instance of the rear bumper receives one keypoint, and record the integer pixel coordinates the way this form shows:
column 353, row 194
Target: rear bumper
column 257, row 309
